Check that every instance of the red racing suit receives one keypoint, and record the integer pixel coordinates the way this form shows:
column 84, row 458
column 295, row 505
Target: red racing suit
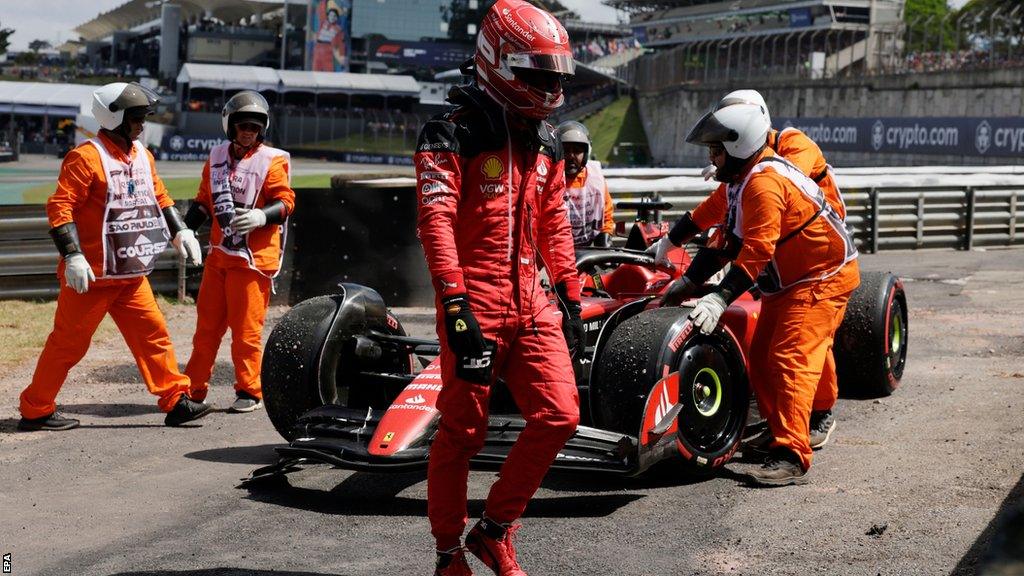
column 491, row 210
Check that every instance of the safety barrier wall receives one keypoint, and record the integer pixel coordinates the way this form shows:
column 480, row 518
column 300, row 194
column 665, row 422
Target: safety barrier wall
column 364, row 232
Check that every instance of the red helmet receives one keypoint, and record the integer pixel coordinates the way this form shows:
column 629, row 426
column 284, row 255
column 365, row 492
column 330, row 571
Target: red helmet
column 521, row 54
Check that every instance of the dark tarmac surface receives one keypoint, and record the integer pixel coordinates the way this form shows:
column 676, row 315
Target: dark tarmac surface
column 934, row 472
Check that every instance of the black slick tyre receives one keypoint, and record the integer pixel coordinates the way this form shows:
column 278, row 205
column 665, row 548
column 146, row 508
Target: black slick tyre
column 313, row 357
column 871, row 343
column 713, row 387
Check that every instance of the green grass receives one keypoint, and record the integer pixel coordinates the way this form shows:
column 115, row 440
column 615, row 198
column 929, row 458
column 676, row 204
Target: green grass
column 39, row 193
column 24, row 327
column 181, row 188
column 186, row 188
column 381, row 144
column 618, row 122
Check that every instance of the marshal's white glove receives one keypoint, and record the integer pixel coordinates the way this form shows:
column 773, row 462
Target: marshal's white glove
column 188, row 246
column 706, row 313
column 78, row 273
column 709, row 171
column 246, row 220
column 660, row 252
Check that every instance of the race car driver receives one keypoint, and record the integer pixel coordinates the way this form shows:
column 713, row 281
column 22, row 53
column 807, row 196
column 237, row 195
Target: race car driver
column 490, row 181
column 783, row 234
column 586, row 194
column 110, row 218
column 246, row 187
column 802, row 152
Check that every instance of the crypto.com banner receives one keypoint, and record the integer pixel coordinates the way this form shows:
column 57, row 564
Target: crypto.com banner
column 953, row 136
column 188, row 147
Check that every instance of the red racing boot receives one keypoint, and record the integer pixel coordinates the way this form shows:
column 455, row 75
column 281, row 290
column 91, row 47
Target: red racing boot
column 452, row 563
column 492, row 544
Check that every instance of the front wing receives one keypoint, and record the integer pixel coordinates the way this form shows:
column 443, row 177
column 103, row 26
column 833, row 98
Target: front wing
column 339, row 437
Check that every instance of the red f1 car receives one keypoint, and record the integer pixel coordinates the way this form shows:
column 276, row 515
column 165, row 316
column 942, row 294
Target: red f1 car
column 346, row 386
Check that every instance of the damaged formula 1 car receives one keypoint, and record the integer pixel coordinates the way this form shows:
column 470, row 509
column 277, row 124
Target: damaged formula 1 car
column 346, row 386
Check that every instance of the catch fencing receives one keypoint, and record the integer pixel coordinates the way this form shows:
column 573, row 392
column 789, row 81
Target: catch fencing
column 352, row 130
column 882, row 218
column 982, row 36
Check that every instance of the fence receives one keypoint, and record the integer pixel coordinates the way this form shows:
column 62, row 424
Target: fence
column 392, row 132
column 989, row 36
column 28, row 258
column 351, row 130
column 882, row 218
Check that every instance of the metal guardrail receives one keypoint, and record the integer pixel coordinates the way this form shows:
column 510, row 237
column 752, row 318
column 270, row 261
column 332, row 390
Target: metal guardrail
column 888, row 218
column 28, row 259
column 882, row 218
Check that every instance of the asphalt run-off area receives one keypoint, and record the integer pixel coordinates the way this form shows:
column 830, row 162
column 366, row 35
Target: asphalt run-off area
column 925, row 481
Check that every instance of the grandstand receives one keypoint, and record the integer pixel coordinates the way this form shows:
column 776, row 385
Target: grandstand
column 699, row 40
column 157, row 36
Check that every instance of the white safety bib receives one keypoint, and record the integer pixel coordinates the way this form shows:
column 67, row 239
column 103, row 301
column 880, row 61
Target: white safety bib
column 134, row 231
column 586, row 205
column 770, row 279
column 236, row 185
column 828, row 167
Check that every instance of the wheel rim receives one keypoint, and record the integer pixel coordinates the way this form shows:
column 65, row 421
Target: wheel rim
column 709, row 418
column 897, row 339
column 707, row 392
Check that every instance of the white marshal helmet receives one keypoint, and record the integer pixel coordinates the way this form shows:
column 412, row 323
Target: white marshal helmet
column 246, row 105
column 110, row 101
column 741, row 128
column 576, row 132
column 745, row 97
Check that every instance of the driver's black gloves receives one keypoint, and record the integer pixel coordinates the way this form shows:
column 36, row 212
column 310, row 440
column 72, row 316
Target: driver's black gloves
column 603, row 240
column 473, row 352
column 678, row 291
column 683, row 230
column 572, row 321
column 704, row 265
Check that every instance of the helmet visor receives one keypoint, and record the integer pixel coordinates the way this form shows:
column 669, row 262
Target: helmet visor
column 257, row 118
column 543, row 80
column 708, row 130
column 573, row 135
column 135, row 96
column 560, row 63
column 138, row 113
column 247, row 101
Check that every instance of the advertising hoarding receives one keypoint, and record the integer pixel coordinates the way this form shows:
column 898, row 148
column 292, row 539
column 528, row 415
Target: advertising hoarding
column 328, row 35
column 995, row 136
